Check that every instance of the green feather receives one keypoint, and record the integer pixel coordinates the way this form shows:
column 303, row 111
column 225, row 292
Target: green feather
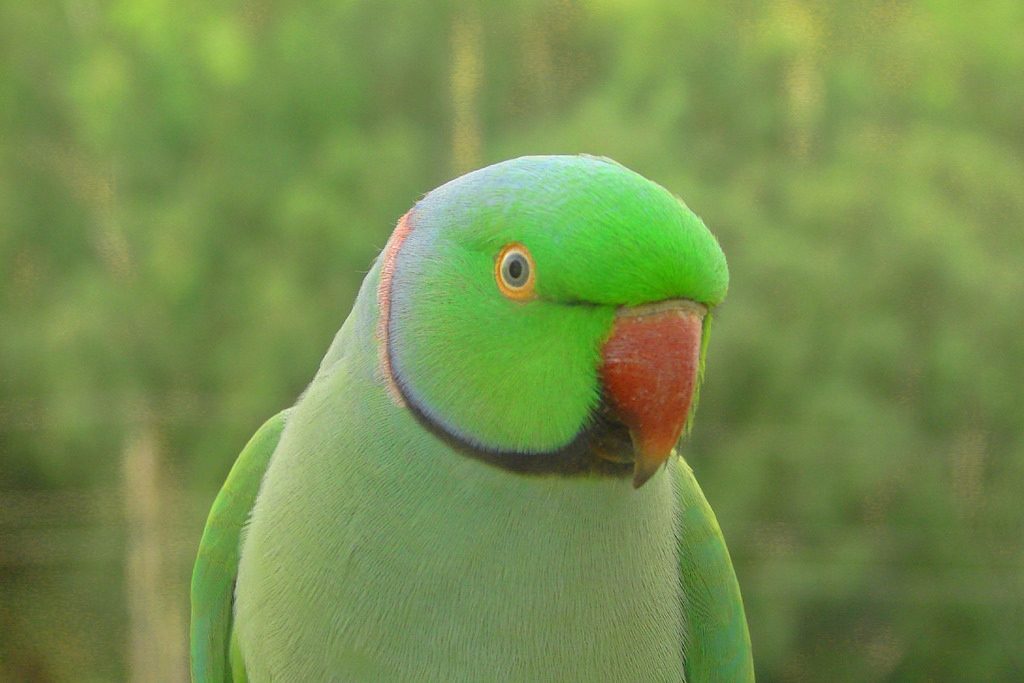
column 213, row 577
column 718, row 643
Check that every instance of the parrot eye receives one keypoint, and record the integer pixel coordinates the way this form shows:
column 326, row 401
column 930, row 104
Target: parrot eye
column 514, row 272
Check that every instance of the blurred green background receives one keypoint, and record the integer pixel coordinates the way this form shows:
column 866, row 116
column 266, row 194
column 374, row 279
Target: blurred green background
column 190, row 193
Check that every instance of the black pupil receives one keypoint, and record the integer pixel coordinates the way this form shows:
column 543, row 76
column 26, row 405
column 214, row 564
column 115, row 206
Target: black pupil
column 515, row 267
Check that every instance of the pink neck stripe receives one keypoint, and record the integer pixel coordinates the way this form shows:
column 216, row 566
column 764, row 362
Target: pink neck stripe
column 387, row 275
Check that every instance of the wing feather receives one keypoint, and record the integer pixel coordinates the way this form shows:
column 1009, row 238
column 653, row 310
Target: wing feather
column 717, row 640
column 213, row 577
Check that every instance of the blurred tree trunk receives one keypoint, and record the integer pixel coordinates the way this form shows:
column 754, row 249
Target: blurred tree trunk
column 803, row 81
column 156, row 644
column 466, row 74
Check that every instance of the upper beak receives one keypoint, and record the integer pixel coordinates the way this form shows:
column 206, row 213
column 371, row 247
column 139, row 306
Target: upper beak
column 649, row 367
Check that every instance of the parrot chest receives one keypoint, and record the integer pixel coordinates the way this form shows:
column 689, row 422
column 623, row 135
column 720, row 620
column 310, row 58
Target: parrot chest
column 484, row 576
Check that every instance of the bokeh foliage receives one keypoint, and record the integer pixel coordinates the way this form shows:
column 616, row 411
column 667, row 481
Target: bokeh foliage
column 190, row 193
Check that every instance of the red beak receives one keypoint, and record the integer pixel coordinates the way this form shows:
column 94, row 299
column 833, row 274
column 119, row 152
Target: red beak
column 649, row 367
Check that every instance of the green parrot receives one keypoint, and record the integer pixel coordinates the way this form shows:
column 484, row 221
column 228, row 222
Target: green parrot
column 477, row 484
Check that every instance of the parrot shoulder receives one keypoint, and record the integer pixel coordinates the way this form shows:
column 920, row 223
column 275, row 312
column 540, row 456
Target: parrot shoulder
column 213, row 653
column 716, row 636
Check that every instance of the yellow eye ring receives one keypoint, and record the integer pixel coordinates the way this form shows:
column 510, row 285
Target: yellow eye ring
column 515, row 272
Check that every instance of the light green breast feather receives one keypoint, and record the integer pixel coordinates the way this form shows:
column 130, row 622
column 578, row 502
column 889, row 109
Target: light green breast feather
column 481, row 482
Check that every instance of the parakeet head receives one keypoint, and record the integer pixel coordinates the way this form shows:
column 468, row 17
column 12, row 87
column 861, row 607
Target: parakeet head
column 549, row 314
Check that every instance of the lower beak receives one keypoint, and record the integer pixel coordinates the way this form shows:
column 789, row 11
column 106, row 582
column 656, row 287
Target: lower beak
column 649, row 367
